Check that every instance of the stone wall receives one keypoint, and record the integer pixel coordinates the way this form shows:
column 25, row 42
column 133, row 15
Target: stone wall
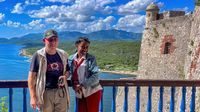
column 153, row 63
column 169, row 14
column 192, row 65
column 180, row 60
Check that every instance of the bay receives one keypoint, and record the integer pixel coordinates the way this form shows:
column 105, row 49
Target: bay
column 15, row 67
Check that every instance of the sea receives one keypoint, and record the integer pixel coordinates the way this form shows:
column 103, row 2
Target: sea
column 16, row 67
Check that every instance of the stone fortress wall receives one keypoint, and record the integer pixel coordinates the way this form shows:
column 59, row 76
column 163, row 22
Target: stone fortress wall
column 164, row 44
column 170, row 45
column 170, row 49
column 155, row 61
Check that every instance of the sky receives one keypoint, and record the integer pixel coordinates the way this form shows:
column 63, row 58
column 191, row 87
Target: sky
column 21, row 17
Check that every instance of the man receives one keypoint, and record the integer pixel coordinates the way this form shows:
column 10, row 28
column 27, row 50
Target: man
column 47, row 77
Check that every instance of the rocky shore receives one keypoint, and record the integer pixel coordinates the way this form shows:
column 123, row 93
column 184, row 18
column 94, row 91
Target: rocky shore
column 23, row 52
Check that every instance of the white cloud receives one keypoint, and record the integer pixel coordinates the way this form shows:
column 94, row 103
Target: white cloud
column 12, row 24
column 62, row 1
column 60, row 14
column 109, row 19
column 104, row 10
column 2, row 16
column 35, row 24
column 71, row 26
column 160, row 4
column 134, row 6
column 101, row 24
column 81, row 15
column 131, row 23
column 102, row 6
column 86, row 27
column 48, row 11
column 33, row 2
column 18, row 8
column 80, row 11
column 104, row 2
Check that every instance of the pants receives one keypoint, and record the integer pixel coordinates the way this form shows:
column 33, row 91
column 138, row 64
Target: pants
column 90, row 103
column 54, row 100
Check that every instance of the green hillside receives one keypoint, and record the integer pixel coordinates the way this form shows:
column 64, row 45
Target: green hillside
column 111, row 35
column 116, row 55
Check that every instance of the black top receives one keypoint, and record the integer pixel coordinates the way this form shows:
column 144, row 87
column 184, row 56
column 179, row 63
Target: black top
column 54, row 69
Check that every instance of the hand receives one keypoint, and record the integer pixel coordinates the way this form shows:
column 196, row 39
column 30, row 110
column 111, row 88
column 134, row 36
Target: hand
column 67, row 74
column 33, row 103
column 78, row 88
column 62, row 81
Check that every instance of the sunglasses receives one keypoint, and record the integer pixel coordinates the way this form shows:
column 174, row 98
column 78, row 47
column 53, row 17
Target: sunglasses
column 51, row 39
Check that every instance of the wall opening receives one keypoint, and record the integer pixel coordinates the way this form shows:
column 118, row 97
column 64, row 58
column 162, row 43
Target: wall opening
column 148, row 14
column 167, row 48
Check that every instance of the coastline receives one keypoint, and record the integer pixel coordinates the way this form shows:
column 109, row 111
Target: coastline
column 130, row 73
column 23, row 52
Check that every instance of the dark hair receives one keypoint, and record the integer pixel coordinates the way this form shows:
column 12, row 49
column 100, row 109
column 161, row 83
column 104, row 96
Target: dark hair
column 82, row 39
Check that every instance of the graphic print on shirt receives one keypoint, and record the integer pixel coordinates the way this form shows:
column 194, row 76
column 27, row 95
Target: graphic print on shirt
column 55, row 66
column 54, row 70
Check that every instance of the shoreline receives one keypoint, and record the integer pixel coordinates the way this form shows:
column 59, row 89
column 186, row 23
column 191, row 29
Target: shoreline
column 23, row 52
column 130, row 73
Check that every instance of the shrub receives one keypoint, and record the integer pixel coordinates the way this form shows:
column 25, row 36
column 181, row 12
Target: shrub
column 3, row 104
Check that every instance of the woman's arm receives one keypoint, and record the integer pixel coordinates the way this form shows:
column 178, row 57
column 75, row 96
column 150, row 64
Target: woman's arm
column 93, row 72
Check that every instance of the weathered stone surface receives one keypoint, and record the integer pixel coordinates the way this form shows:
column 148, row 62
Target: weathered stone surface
column 153, row 63
column 170, row 49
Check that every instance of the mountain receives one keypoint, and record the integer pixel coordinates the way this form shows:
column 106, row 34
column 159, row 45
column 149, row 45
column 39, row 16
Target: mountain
column 70, row 36
column 3, row 40
column 103, row 35
column 114, row 35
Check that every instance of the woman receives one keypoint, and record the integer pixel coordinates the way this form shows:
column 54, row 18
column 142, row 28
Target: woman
column 85, row 80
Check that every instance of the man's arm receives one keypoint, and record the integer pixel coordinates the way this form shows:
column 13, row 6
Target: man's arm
column 32, row 89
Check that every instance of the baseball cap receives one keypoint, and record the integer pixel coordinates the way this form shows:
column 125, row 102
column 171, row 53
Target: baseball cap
column 50, row 33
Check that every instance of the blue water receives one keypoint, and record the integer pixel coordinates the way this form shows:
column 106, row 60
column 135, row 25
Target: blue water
column 15, row 67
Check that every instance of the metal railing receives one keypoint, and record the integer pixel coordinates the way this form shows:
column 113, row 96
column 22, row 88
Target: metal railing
column 138, row 83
